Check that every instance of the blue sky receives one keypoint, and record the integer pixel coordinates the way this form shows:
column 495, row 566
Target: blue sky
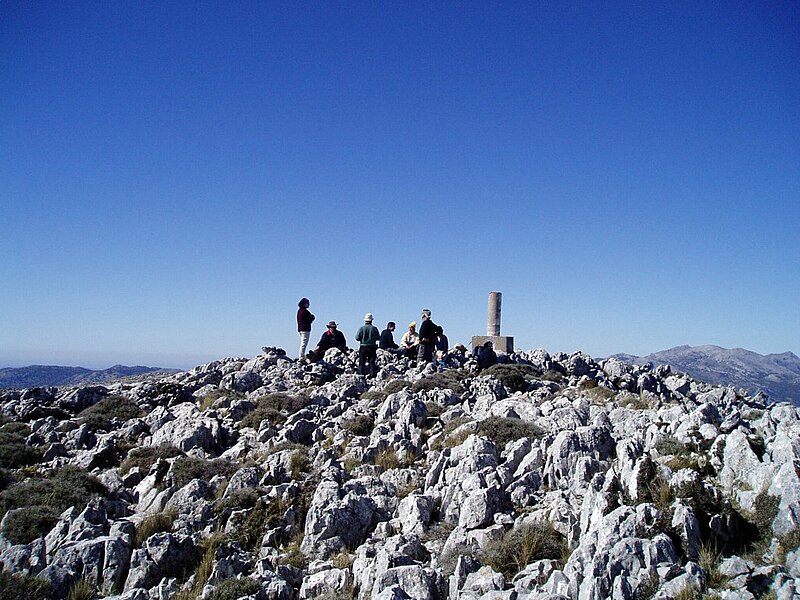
column 175, row 176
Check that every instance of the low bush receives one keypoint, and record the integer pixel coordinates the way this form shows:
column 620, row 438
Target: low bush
column 145, row 458
column 233, row 589
column 187, row 468
column 502, row 430
column 14, row 452
column 273, row 408
column 450, row 379
column 101, row 416
column 387, row 459
column 515, row 378
column 244, row 498
column 522, row 545
column 359, row 425
column 44, row 498
column 18, row 586
column 392, row 387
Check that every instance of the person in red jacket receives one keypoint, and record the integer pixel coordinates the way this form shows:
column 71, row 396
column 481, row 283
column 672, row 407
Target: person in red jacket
column 304, row 320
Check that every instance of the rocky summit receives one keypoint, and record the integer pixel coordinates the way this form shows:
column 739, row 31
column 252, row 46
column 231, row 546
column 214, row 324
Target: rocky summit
column 544, row 476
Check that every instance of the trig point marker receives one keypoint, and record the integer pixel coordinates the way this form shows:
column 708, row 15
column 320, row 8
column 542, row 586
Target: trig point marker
column 501, row 343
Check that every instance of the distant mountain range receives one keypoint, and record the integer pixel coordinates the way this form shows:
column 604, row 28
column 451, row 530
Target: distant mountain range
column 777, row 375
column 46, row 375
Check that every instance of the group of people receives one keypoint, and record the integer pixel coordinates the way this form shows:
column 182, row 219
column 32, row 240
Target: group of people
column 426, row 346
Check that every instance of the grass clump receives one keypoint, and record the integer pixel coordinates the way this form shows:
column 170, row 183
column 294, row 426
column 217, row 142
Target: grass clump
column 81, row 590
column 18, row 586
column 145, row 458
column 233, row 589
column 502, row 430
column 14, row 452
column 522, row 545
column 43, row 499
column 101, row 416
column 387, row 459
column 203, row 568
column 515, row 378
column 154, row 524
column 710, row 558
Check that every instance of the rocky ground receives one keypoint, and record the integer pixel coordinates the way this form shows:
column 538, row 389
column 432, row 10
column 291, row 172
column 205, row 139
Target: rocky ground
column 547, row 476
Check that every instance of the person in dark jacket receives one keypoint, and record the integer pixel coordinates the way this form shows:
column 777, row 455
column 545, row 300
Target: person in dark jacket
column 387, row 338
column 442, row 346
column 333, row 338
column 368, row 336
column 304, row 320
column 486, row 356
column 427, row 338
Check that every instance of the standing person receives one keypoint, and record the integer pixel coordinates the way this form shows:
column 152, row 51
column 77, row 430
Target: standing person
column 409, row 341
column 427, row 338
column 304, row 320
column 387, row 338
column 369, row 336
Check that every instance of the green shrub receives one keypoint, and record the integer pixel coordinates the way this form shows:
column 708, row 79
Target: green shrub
column 112, row 408
column 515, row 378
column 233, row 589
column 273, row 408
column 449, row 379
column 18, row 586
column 154, row 524
column 15, row 453
column 359, row 425
column 187, row 468
column 299, row 463
column 44, row 498
column 29, row 522
column 22, row 429
column 145, row 458
column 522, row 545
column 502, row 430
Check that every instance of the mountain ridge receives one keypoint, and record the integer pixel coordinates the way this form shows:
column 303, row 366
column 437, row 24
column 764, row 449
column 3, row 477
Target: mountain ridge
column 777, row 375
column 54, row 375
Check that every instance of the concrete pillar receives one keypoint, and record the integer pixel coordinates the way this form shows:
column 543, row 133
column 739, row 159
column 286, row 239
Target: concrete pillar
column 495, row 304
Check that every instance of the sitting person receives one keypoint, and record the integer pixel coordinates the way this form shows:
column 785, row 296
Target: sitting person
column 333, row 338
column 387, row 338
column 486, row 357
column 441, row 345
column 409, row 341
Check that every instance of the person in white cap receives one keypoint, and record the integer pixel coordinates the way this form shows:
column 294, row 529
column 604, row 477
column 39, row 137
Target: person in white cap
column 368, row 336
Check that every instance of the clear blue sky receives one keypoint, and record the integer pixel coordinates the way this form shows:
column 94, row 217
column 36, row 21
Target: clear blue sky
column 175, row 176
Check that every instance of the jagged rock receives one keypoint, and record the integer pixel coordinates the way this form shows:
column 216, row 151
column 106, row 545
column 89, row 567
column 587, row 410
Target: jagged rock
column 613, row 437
column 162, row 554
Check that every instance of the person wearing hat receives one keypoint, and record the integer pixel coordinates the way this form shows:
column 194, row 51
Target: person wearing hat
column 368, row 336
column 333, row 338
column 409, row 341
column 304, row 320
column 427, row 338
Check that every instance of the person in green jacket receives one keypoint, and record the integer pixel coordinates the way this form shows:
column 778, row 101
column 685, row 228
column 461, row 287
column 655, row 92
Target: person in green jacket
column 368, row 336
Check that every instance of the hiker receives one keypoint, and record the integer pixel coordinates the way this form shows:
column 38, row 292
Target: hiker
column 409, row 341
column 304, row 320
column 387, row 338
column 368, row 335
column 427, row 338
column 333, row 338
column 486, row 357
